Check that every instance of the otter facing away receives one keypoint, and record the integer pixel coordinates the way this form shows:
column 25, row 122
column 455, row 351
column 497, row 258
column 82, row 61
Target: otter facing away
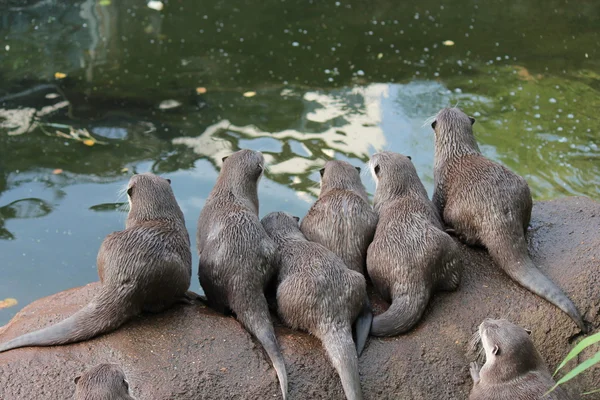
column 102, row 382
column 513, row 367
column 344, row 222
column 319, row 294
column 236, row 254
column 411, row 257
column 486, row 203
column 146, row 267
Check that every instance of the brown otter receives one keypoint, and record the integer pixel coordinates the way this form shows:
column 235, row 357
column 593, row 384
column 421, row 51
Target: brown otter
column 343, row 221
column 319, row 294
column 487, row 204
column 102, row 382
column 411, row 256
column 236, row 254
column 146, row 267
column 513, row 367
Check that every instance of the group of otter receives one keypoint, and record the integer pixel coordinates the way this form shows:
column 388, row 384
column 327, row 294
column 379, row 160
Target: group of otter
column 402, row 244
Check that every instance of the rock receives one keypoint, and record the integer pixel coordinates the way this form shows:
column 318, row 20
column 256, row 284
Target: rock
column 191, row 352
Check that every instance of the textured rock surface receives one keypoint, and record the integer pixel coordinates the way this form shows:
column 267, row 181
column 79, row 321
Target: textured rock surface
column 191, row 352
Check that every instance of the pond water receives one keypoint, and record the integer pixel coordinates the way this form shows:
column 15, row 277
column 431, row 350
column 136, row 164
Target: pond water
column 174, row 89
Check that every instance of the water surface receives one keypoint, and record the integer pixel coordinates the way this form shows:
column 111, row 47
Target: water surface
column 163, row 91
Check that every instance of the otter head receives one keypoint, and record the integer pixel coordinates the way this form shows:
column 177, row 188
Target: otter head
column 243, row 166
column 395, row 175
column 281, row 225
column 150, row 198
column 454, row 132
column 104, row 381
column 509, row 351
column 337, row 174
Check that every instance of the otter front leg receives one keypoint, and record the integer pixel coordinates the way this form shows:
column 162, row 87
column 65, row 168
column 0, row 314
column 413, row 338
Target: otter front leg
column 474, row 370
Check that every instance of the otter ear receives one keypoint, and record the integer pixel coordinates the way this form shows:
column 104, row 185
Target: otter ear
column 126, row 384
column 322, row 171
column 472, row 120
column 358, row 169
column 496, row 350
column 409, row 157
column 433, row 124
column 168, row 180
column 528, row 331
column 77, row 378
column 224, row 158
column 297, row 219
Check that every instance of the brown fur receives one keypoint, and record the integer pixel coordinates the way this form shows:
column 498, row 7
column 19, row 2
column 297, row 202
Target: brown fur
column 411, row 256
column 236, row 254
column 319, row 294
column 102, row 382
column 342, row 218
column 146, row 267
column 513, row 368
column 487, row 204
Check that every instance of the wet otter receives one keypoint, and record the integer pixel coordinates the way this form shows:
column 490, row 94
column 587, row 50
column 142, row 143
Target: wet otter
column 513, row 367
column 146, row 267
column 487, row 204
column 319, row 294
column 411, row 256
column 102, row 382
column 236, row 254
column 343, row 221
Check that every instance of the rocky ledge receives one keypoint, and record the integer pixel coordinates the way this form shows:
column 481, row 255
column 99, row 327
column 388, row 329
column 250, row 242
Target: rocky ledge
column 190, row 352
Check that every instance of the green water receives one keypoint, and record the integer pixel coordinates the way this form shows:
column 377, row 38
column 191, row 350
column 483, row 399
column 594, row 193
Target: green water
column 332, row 79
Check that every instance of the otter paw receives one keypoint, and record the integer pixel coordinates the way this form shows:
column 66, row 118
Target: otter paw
column 474, row 370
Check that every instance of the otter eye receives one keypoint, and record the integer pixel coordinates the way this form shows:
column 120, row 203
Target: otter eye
column 496, row 350
column 472, row 120
column 358, row 169
column 130, row 191
column 297, row 219
column 224, row 158
column 433, row 124
column 322, row 171
column 376, row 169
column 409, row 157
column 168, row 180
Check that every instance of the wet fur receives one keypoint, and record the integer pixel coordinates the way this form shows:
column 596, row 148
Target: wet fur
column 487, row 204
column 411, row 257
column 102, row 382
column 146, row 267
column 319, row 294
column 236, row 254
column 342, row 218
column 513, row 369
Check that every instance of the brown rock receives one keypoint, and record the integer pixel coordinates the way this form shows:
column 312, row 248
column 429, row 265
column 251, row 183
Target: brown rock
column 191, row 352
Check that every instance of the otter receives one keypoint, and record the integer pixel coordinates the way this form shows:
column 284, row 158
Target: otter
column 513, row 367
column 343, row 221
column 411, row 256
column 102, row 382
column 236, row 254
column 487, row 204
column 319, row 294
column 146, row 267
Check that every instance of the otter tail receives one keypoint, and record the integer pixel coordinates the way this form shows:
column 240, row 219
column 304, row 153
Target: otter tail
column 341, row 351
column 514, row 259
column 404, row 312
column 258, row 322
column 363, row 326
column 105, row 313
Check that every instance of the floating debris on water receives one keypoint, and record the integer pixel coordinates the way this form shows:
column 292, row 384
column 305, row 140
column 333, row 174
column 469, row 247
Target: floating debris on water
column 200, row 90
column 168, row 104
column 249, row 94
column 156, row 5
column 60, row 75
column 448, row 43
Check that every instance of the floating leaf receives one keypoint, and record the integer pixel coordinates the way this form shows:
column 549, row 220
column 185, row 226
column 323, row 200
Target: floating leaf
column 448, row 43
column 249, row 94
column 89, row 142
column 8, row 303
column 200, row 90
column 124, row 170
column 104, row 2
column 57, row 171
column 60, row 75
